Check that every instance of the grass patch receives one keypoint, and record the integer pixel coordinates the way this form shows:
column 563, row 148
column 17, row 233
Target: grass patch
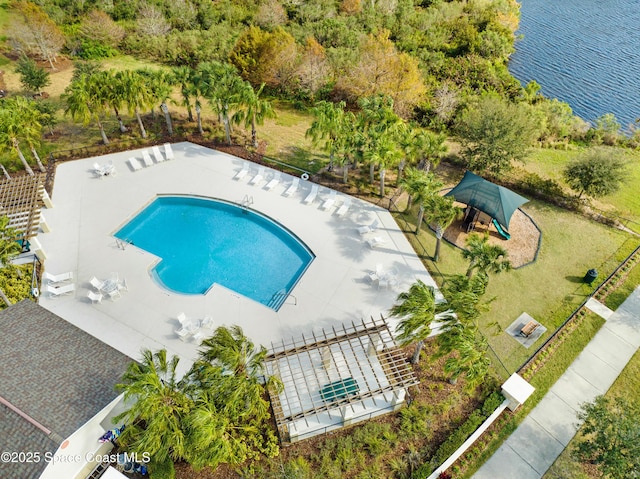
column 127, row 62
column 625, row 202
column 549, row 289
column 286, row 141
column 627, row 385
column 617, row 297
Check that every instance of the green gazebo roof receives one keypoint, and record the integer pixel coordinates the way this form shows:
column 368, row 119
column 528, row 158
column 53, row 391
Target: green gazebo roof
column 494, row 200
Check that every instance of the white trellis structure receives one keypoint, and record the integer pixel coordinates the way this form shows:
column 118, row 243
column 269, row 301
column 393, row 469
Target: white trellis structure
column 335, row 378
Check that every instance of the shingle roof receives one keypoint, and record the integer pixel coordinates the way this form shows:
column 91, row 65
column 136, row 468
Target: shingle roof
column 54, row 372
column 18, row 435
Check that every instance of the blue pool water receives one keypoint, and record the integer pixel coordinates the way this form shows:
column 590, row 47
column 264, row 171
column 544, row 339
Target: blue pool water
column 204, row 241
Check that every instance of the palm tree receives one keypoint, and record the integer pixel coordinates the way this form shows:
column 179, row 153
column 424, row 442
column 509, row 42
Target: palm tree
column 15, row 118
column 420, row 187
column 485, row 257
column 224, row 90
column 84, row 101
column 135, row 94
column 416, row 309
column 159, row 86
column 182, row 76
column 441, row 212
column 158, row 407
column 470, row 359
column 429, row 147
column 385, row 154
column 253, row 110
column 235, row 352
column 378, row 130
column 328, row 126
column 232, row 355
column 199, row 84
column 112, row 93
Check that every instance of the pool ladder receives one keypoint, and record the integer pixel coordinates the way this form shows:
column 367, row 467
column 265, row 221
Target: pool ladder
column 247, row 201
column 279, row 298
column 122, row 244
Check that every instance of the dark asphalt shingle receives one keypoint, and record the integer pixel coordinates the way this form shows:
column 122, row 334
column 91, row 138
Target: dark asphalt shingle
column 55, row 373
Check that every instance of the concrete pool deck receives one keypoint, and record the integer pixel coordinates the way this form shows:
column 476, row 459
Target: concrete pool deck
column 335, row 289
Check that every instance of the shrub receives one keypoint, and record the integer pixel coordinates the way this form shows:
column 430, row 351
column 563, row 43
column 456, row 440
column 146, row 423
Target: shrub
column 92, row 50
column 415, row 419
column 375, row 438
column 460, row 435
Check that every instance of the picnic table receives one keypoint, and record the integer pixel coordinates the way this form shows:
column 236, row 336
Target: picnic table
column 528, row 329
column 339, row 390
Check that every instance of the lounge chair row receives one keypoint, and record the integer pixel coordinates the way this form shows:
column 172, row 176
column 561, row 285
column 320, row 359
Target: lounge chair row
column 293, row 188
column 58, row 284
column 146, row 157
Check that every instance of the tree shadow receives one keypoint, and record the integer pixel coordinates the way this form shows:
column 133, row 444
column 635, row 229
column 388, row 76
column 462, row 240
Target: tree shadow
column 574, row 279
column 302, row 158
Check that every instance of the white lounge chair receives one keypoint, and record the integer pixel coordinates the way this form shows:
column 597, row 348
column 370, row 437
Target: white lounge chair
column 375, row 241
column 134, row 163
column 57, row 278
column 96, row 283
column 258, row 178
column 184, row 333
column 368, row 228
column 198, row 336
column 98, row 170
column 274, row 181
column 389, row 281
column 207, row 322
column 94, row 297
column 242, row 173
column 114, row 293
column 293, row 187
column 156, row 154
column 183, row 320
column 56, row 292
column 146, row 159
column 168, row 152
column 329, row 202
column 122, row 285
column 377, row 275
column 109, row 169
column 344, row 207
column 312, row 195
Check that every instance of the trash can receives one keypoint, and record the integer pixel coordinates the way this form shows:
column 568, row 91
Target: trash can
column 591, row 275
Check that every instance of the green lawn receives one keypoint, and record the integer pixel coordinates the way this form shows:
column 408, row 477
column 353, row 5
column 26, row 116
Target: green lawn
column 286, row 141
column 625, row 202
column 549, row 289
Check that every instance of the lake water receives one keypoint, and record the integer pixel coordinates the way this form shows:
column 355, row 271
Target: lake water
column 583, row 52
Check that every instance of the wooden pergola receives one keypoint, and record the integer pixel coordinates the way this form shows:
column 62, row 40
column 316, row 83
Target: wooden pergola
column 337, row 377
column 21, row 199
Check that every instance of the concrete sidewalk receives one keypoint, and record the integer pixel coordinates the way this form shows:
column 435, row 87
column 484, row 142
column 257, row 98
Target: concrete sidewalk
column 543, row 435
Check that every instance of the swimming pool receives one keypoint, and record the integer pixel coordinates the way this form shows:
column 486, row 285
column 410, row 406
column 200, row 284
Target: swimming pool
column 202, row 241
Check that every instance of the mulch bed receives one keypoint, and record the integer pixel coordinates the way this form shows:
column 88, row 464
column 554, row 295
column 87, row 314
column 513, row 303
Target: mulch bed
column 521, row 248
column 449, row 401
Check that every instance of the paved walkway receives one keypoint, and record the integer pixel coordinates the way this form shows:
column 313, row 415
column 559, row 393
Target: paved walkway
column 542, row 436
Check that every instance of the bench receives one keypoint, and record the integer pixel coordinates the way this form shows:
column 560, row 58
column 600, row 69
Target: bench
column 340, row 389
column 528, row 329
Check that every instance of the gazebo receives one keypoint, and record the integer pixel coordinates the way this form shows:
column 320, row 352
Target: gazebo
column 482, row 196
